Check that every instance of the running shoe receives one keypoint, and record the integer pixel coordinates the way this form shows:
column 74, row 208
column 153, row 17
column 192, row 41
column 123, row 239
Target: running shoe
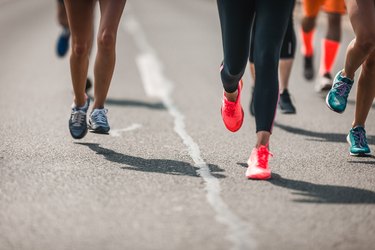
column 251, row 106
column 98, row 122
column 77, row 121
column 324, row 83
column 358, row 142
column 63, row 43
column 232, row 112
column 285, row 103
column 337, row 97
column 88, row 84
column 258, row 164
column 308, row 68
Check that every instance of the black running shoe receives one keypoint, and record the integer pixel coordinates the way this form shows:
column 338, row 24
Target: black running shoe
column 77, row 121
column 285, row 103
column 308, row 69
column 251, row 106
column 88, row 84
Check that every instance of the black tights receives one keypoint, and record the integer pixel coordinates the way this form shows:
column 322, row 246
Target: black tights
column 271, row 20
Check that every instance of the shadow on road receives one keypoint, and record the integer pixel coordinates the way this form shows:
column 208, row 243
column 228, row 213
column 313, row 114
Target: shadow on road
column 135, row 103
column 317, row 193
column 163, row 166
column 319, row 136
column 364, row 162
column 351, row 102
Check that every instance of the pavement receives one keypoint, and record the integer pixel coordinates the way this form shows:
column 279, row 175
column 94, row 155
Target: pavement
column 169, row 175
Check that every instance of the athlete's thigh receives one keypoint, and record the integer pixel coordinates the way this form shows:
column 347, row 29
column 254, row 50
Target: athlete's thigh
column 362, row 17
column 236, row 18
column 111, row 12
column 80, row 16
column 271, row 20
column 311, row 7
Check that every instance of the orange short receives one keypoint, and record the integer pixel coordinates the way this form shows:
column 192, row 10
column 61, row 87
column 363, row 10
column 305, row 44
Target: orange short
column 311, row 7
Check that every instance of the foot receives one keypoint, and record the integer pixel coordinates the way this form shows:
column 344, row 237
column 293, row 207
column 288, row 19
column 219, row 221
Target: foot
column 232, row 112
column 77, row 121
column 285, row 103
column 258, row 164
column 308, row 68
column 358, row 142
column 62, row 46
column 98, row 121
column 324, row 83
column 337, row 97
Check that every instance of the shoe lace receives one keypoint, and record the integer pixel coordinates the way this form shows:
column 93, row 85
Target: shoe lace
column 360, row 138
column 78, row 118
column 263, row 155
column 100, row 116
column 343, row 89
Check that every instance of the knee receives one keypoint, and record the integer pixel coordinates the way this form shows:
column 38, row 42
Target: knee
column 106, row 40
column 308, row 23
column 80, row 49
column 366, row 43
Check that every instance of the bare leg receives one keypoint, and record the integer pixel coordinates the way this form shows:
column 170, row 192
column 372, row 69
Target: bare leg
column 61, row 15
column 334, row 27
column 365, row 91
column 80, row 16
column 308, row 23
column 111, row 12
column 362, row 14
column 263, row 138
column 285, row 68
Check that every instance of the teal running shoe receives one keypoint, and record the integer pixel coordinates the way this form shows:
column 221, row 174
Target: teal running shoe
column 337, row 97
column 358, row 142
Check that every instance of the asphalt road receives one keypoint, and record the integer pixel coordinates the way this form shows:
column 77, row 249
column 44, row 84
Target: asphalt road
column 169, row 176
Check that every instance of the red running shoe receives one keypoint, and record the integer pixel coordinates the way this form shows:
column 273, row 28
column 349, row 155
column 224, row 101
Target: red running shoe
column 258, row 164
column 232, row 112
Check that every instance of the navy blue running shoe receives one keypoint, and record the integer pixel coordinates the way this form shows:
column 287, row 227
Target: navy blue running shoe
column 62, row 46
column 98, row 122
column 77, row 121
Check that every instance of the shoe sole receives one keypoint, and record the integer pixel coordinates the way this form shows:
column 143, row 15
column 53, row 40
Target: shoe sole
column 98, row 130
column 79, row 137
column 259, row 177
column 287, row 112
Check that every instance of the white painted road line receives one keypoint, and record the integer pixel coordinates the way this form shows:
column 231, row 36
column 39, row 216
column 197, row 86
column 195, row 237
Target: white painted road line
column 117, row 132
column 156, row 84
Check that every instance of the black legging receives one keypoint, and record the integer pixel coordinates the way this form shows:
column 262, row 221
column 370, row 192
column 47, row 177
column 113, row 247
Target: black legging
column 271, row 21
column 288, row 48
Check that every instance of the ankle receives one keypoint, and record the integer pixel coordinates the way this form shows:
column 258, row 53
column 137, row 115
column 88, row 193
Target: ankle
column 347, row 75
column 232, row 97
